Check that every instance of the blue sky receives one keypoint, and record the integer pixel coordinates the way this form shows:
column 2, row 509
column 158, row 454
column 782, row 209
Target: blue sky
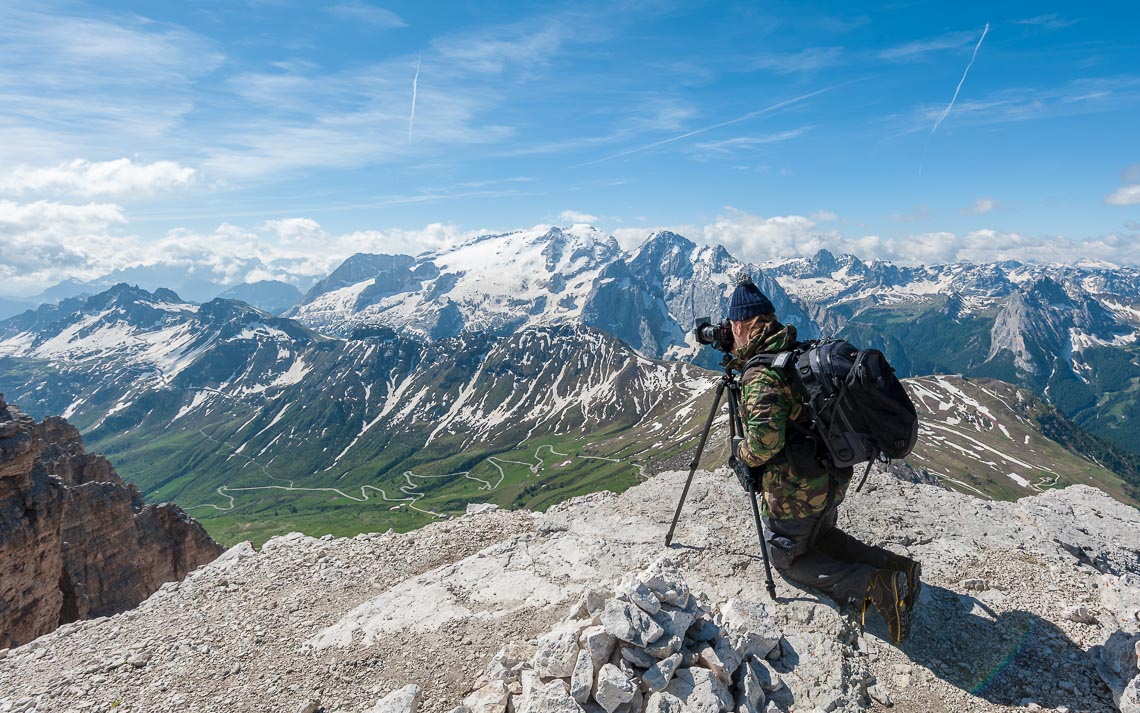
column 215, row 133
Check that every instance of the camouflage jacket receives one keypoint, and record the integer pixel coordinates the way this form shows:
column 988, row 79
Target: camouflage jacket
column 766, row 405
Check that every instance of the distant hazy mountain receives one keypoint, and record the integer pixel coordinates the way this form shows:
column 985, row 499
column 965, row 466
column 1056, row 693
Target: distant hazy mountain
column 10, row 306
column 193, row 283
column 271, row 296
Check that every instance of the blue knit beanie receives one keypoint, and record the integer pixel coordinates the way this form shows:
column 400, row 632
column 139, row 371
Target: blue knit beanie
column 748, row 301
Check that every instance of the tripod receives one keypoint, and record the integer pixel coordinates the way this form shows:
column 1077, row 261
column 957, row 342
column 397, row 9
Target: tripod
column 727, row 383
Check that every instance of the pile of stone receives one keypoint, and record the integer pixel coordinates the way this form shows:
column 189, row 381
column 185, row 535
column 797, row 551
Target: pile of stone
column 650, row 645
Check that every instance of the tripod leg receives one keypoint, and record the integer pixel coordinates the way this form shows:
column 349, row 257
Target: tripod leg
column 696, row 461
column 771, row 584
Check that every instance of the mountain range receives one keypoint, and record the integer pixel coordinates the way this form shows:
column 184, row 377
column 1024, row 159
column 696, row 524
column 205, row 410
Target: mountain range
column 527, row 367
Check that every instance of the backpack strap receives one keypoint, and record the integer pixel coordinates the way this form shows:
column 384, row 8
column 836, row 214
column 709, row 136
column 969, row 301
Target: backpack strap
column 773, row 360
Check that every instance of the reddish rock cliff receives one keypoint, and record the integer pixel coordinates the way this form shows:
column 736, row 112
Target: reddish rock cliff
column 75, row 540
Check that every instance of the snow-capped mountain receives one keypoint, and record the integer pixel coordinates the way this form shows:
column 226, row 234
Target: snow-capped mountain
column 494, row 284
column 498, row 284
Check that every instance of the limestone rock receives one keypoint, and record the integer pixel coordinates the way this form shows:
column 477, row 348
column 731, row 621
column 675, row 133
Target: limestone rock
column 766, row 674
column 637, row 657
column 556, row 655
column 700, row 691
column 710, row 658
column 636, row 592
column 752, row 688
column 1081, row 615
column 753, row 630
column 665, row 580
column 662, row 702
column 613, row 688
column 599, row 643
column 402, row 700
column 491, row 698
column 77, row 541
column 880, row 695
column 664, row 647
column 582, row 680
column 553, row 698
column 629, row 623
column 676, row 621
column 509, row 661
column 658, row 675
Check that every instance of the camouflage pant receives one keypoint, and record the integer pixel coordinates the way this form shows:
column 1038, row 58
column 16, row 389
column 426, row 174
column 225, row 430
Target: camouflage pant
column 836, row 563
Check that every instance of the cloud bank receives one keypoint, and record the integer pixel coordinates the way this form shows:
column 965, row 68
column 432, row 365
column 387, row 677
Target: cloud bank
column 45, row 242
column 81, row 177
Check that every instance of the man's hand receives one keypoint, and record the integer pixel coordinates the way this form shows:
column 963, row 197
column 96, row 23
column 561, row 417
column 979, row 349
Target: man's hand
column 743, row 472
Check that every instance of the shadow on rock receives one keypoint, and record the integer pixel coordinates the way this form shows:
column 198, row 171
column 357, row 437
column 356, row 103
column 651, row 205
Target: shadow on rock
column 1010, row 658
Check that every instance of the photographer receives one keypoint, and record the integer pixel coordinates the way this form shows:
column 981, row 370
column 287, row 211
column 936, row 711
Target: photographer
column 800, row 497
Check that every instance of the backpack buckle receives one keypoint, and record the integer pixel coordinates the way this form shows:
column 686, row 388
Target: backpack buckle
column 783, row 360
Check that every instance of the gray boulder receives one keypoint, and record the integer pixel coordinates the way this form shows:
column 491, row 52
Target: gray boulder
column 402, row 700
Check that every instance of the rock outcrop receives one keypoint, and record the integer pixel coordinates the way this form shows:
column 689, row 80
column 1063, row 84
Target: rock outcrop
column 75, row 540
column 1027, row 605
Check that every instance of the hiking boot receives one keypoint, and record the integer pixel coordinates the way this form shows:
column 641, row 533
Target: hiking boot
column 886, row 591
column 913, row 571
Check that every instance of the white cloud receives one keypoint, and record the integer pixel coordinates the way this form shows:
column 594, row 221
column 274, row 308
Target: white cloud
column 911, row 50
column 980, row 207
column 1049, row 22
column 747, row 143
column 574, row 216
column 809, row 59
column 93, row 178
column 1128, row 195
column 756, row 239
column 493, row 51
column 377, row 17
column 44, row 242
column 296, row 231
column 405, row 242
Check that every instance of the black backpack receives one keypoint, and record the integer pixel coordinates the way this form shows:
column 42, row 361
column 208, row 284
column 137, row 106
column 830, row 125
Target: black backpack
column 858, row 408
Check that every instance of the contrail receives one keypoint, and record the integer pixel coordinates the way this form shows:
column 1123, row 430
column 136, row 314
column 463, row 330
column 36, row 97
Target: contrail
column 737, row 120
column 415, row 84
column 946, row 112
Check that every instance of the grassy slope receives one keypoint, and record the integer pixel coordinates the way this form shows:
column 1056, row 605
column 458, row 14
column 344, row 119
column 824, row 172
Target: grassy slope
column 975, row 449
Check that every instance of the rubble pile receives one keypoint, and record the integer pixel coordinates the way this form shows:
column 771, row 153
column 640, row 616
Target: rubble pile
column 651, row 645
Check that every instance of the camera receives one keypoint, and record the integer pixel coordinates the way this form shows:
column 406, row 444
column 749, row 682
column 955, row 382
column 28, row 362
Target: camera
column 719, row 336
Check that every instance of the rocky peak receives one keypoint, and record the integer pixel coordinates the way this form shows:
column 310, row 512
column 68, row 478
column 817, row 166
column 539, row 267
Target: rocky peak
column 77, row 541
column 824, row 263
column 357, row 268
column 665, row 254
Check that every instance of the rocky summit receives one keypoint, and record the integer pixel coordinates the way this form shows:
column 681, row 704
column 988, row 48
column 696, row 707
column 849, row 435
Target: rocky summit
column 1027, row 605
column 75, row 540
